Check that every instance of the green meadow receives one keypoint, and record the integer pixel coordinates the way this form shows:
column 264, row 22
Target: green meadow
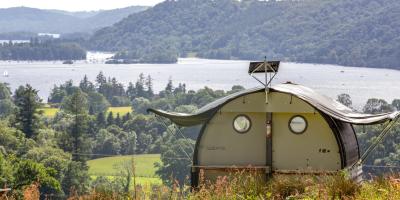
column 51, row 112
column 112, row 167
column 120, row 110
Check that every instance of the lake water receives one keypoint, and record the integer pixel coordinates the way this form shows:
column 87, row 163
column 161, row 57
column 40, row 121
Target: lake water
column 331, row 80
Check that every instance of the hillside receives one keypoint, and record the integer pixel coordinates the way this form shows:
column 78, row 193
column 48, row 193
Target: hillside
column 355, row 33
column 36, row 20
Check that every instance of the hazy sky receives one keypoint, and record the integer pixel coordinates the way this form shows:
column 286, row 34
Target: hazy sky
column 76, row 5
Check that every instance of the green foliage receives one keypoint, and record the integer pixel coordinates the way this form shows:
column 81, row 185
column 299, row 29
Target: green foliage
column 28, row 172
column 345, row 99
column 163, row 53
column 355, row 33
column 115, row 141
column 6, row 171
column 42, row 50
column 97, row 103
column 76, row 178
column 375, row 106
column 6, row 107
column 396, row 104
column 176, row 160
column 77, row 103
column 50, row 157
column 28, row 102
column 77, row 133
column 140, row 105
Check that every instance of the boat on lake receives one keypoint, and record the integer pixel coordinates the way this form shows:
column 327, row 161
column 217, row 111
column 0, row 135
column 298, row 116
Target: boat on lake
column 68, row 62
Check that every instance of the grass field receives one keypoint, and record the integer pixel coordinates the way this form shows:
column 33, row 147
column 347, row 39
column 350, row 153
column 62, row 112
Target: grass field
column 121, row 110
column 51, row 112
column 111, row 167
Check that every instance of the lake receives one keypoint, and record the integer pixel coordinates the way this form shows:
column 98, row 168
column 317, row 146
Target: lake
column 331, row 80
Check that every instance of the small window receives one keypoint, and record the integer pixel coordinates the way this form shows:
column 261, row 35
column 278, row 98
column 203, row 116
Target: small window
column 298, row 124
column 241, row 124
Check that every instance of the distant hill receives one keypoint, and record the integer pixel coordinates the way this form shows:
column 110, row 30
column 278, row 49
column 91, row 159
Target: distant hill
column 20, row 19
column 355, row 33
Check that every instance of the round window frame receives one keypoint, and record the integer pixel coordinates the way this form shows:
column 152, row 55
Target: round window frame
column 248, row 129
column 305, row 128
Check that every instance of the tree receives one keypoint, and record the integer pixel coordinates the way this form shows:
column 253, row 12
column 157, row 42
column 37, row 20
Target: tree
column 86, row 86
column 131, row 91
column 118, row 120
column 110, row 119
column 28, row 102
column 149, row 87
column 396, row 104
column 101, row 120
column 5, row 91
column 375, row 106
column 6, row 104
column 76, row 178
column 57, row 94
column 169, row 88
column 176, row 161
column 50, row 157
column 139, row 86
column 107, row 143
column 144, row 142
column 97, row 102
column 345, row 99
column 100, row 80
column 140, row 105
column 28, row 172
column 6, row 171
column 77, row 106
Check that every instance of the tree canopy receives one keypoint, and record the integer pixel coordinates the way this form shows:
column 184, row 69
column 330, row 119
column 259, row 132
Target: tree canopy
column 355, row 33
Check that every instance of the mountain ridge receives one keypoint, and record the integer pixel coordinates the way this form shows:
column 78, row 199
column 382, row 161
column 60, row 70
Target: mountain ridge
column 355, row 33
column 20, row 19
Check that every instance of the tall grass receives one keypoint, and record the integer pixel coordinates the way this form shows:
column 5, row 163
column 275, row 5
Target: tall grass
column 244, row 185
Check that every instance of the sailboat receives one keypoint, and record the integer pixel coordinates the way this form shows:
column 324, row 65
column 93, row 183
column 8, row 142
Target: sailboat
column 5, row 73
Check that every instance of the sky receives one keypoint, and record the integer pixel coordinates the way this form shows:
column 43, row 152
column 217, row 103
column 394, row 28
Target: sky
column 76, row 5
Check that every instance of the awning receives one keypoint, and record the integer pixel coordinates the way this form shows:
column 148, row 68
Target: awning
column 320, row 102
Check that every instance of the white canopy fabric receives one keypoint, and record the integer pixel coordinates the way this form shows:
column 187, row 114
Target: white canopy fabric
column 320, row 102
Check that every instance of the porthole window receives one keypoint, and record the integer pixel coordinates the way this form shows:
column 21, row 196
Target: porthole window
column 298, row 124
column 242, row 124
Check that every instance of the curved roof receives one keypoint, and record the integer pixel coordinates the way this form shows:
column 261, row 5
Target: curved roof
column 320, row 102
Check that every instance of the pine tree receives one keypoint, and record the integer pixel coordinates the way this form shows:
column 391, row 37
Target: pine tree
column 170, row 87
column 91, row 110
column 139, row 86
column 101, row 120
column 28, row 102
column 86, row 86
column 118, row 120
column 149, row 87
column 131, row 91
column 126, row 117
column 110, row 119
column 100, row 80
column 77, row 106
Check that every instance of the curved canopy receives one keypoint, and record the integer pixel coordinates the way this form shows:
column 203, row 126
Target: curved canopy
column 320, row 102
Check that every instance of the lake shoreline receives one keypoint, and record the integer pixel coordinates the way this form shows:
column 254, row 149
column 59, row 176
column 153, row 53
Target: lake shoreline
column 360, row 83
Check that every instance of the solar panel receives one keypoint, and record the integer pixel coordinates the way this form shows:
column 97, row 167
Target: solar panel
column 258, row 67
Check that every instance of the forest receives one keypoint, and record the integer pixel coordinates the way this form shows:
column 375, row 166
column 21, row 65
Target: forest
column 54, row 151
column 42, row 49
column 362, row 33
